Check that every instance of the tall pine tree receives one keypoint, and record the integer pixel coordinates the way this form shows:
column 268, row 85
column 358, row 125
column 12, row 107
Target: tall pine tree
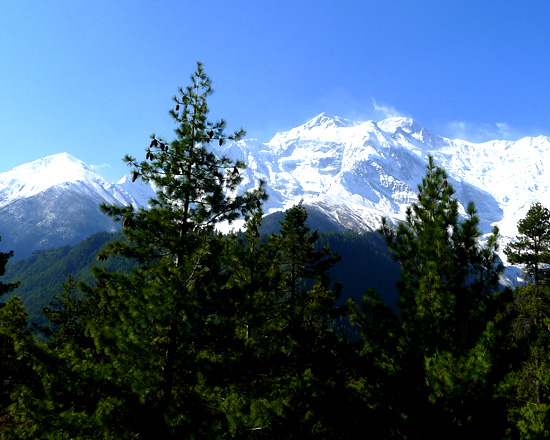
column 436, row 359
column 532, row 246
column 527, row 386
column 140, row 355
column 169, row 302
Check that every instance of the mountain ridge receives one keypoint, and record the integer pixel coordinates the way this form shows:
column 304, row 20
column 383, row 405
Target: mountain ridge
column 372, row 169
column 353, row 172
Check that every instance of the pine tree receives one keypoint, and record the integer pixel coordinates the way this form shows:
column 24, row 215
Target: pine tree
column 15, row 371
column 445, row 273
column 247, row 321
column 527, row 386
column 284, row 362
column 169, row 303
column 6, row 288
column 309, row 372
column 141, row 356
column 8, row 363
column 447, row 284
column 67, row 394
column 532, row 246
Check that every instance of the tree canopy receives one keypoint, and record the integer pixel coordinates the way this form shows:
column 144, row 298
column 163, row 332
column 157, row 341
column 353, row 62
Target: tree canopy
column 532, row 246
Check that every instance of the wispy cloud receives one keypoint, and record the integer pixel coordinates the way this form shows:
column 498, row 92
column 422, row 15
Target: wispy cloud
column 386, row 111
column 99, row 167
column 481, row 132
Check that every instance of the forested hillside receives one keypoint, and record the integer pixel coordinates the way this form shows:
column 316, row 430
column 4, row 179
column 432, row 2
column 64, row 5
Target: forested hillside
column 189, row 333
column 41, row 275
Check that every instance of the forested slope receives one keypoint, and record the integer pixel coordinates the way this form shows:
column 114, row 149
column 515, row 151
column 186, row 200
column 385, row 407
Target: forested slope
column 366, row 263
column 42, row 273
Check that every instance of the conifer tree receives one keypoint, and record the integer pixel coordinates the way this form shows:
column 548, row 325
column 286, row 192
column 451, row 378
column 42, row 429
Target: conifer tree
column 446, row 273
column 67, row 395
column 444, row 340
column 169, row 303
column 6, row 287
column 248, row 320
column 532, row 246
column 143, row 351
column 284, row 362
column 309, row 372
column 8, row 364
column 527, row 386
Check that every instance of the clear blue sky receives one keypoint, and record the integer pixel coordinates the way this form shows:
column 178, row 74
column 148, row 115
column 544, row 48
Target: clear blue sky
column 96, row 78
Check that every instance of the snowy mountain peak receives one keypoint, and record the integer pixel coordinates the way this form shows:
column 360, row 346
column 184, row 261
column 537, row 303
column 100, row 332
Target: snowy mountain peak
column 322, row 126
column 62, row 169
column 326, row 121
column 55, row 169
column 410, row 128
column 32, row 178
column 55, row 201
column 357, row 172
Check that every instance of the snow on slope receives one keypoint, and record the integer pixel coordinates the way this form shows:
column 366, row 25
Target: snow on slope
column 61, row 169
column 357, row 172
column 354, row 172
column 138, row 191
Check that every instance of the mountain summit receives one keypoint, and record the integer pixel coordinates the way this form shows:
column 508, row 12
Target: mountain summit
column 32, row 178
column 357, row 172
column 325, row 121
column 55, row 201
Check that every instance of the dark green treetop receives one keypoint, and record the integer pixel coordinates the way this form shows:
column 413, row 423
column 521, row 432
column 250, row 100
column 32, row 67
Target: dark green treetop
column 446, row 272
column 527, row 384
column 195, row 189
column 532, row 246
column 6, row 287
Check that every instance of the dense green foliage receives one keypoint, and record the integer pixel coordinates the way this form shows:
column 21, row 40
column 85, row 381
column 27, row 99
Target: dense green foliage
column 42, row 273
column 527, row 385
column 11, row 372
column 193, row 334
column 434, row 362
column 532, row 247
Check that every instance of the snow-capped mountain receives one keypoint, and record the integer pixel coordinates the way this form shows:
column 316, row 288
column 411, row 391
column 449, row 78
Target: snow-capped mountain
column 353, row 173
column 55, row 201
column 63, row 169
column 357, row 172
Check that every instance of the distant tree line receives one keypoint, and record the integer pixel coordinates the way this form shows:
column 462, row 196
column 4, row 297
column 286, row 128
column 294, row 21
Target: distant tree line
column 207, row 335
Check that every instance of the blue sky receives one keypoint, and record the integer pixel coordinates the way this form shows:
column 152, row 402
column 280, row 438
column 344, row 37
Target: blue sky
column 96, row 78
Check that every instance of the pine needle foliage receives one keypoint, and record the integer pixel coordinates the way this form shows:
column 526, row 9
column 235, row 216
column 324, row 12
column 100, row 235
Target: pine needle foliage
column 139, row 349
column 532, row 246
column 435, row 359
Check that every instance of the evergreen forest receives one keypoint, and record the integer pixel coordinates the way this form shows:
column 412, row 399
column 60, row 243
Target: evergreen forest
column 172, row 330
